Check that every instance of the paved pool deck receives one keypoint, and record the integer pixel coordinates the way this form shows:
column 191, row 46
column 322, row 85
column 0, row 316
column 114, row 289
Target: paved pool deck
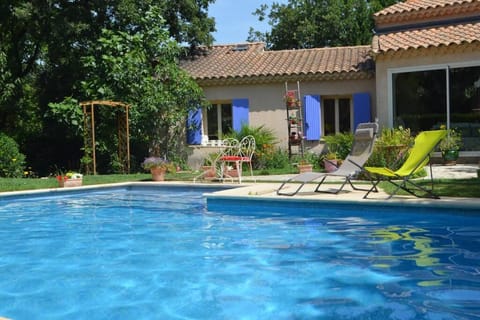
column 265, row 188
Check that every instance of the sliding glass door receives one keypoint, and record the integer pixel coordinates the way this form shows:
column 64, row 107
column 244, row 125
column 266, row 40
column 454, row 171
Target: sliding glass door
column 429, row 99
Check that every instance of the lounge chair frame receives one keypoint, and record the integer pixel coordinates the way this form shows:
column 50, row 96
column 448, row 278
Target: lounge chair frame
column 348, row 170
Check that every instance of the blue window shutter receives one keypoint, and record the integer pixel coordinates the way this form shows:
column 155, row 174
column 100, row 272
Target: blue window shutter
column 239, row 113
column 194, row 126
column 361, row 108
column 312, row 117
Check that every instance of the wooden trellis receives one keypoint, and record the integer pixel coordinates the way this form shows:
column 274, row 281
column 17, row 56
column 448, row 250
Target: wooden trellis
column 89, row 133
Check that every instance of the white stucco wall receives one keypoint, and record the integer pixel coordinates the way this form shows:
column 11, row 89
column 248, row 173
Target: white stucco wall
column 267, row 105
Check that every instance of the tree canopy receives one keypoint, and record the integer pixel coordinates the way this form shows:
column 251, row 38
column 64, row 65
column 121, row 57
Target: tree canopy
column 318, row 23
column 43, row 46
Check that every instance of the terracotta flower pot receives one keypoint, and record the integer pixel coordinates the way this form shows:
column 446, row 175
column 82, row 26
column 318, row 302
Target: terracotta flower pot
column 232, row 173
column 209, row 172
column 67, row 183
column 305, row 168
column 330, row 165
column 158, row 173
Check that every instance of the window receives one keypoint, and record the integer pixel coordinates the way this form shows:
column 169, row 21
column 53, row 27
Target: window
column 330, row 115
column 419, row 99
column 337, row 115
column 212, row 124
column 427, row 99
column 219, row 120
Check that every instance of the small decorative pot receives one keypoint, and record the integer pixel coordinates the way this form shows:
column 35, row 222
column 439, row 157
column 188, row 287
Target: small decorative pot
column 232, row 173
column 450, row 157
column 158, row 173
column 305, row 168
column 209, row 172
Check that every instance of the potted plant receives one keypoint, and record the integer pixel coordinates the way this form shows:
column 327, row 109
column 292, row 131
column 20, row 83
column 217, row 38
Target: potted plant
column 305, row 166
column 157, row 167
column 330, row 157
column 330, row 161
column 293, row 120
column 450, row 147
column 291, row 101
column 69, row 179
column 208, row 166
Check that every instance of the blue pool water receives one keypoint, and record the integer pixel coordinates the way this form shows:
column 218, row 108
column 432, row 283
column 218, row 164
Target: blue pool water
column 145, row 253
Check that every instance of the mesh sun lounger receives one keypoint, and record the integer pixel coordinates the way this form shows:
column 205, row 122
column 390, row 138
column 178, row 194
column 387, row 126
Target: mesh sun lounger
column 362, row 148
column 418, row 158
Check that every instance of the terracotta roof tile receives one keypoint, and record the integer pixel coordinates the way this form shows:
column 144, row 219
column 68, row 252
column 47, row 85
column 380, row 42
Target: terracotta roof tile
column 424, row 38
column 426, row 10
column 417, row 5
column 251, row 63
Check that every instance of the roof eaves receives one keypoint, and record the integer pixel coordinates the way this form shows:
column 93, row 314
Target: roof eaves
column 428, row 38
column 422, row 5
column 427, row 12
column 264, row 79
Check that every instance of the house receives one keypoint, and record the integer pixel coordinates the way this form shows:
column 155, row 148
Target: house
column 421, row 71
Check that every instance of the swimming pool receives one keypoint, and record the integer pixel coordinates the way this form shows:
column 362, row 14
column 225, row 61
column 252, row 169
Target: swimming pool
column 157, row 253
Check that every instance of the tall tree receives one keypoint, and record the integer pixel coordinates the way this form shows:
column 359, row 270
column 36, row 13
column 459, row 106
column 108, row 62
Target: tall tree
column 44, row 42
column 141, row 66
column 318, row 23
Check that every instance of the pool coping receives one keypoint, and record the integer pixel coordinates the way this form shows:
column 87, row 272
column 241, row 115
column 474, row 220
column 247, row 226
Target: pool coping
column 57, row 190
column 264, row 193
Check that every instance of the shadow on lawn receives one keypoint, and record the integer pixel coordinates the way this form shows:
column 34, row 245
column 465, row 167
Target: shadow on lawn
column 469, row 188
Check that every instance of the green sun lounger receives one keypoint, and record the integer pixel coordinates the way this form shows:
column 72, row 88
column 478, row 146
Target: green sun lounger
column 418, row 157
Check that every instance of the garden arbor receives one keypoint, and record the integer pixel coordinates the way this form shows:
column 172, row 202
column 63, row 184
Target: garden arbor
column 89, row 134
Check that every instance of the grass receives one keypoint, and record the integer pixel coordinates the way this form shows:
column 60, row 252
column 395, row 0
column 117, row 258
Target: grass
column 20, row 184
column 443, row 187
column 469, row 188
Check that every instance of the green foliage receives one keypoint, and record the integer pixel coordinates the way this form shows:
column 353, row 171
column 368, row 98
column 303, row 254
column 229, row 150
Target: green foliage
column 42, row 49
column 269, row 157
column 339, row 144
column 453, row 141
column 265, row 152
column 12, row 162
column 395, row 137
column 7, row 87
column 312, row 158
column 308, row 158
column 261, row 134
column 69, row 113
column 391, row 148
column 141, row 67
column 318, row 23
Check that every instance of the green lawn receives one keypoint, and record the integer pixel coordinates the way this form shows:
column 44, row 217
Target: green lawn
column 443, row 187
column 12, row 184
column 469, row 188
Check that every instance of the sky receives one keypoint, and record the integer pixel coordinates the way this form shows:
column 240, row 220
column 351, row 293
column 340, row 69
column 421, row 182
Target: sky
column 233, row 19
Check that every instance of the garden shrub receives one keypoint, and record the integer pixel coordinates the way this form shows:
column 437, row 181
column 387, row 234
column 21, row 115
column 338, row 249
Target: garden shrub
column 391, row 148
column 340, row 144
column 12, row 162
column 269, row 157
column 308, row 157
column 265, row 154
